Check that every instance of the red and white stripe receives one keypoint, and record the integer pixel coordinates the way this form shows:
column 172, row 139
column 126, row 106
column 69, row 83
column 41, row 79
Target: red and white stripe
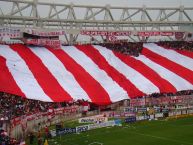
column 92, row 73
column 178, row 82
column 63, row 76
column 181, row 67
column 141, row 82
column 171, row 55
column 114, row 91
column 22, row 74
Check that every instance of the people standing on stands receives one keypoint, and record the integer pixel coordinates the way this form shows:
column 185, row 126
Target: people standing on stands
column 39, row 136
column 46, row 131
column 31, row 138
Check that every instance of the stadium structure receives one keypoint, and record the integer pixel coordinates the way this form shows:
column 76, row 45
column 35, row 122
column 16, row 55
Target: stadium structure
column 74, row 18
column 82, row 74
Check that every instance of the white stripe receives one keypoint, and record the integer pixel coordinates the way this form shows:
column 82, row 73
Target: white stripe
column 171, row 55
column 63, row 76
column 116, row 93
column 141, row 82
column 22, row 75
column 178, row 82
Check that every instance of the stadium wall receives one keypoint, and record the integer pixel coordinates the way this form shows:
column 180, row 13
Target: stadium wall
column 21, row 129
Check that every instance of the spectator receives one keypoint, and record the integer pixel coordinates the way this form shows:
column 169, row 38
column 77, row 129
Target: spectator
column 31, row 138
column 46, row 131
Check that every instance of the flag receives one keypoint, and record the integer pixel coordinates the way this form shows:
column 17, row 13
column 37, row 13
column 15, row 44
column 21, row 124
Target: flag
column 22, row 143
column 46, row 142
column 92, row 73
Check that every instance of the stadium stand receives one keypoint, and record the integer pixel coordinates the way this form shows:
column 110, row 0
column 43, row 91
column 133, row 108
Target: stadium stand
column 19, row 104
column 135, row 48
column 120, row 71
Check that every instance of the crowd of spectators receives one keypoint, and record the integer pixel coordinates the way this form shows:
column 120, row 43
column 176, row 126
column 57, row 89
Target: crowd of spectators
column 6, row 140
column 179, row 93
column 13, row 106
column 129, row 48
column 135, row 48
column 177, row 45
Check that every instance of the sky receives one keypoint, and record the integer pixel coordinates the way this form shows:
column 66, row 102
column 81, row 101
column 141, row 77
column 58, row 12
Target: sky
column 128, row 3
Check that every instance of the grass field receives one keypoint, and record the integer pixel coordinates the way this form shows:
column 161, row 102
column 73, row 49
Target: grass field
column 161, row 132
column 172, row 132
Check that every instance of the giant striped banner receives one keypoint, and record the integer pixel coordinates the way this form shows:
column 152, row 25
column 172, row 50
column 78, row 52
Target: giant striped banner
column 92, row 73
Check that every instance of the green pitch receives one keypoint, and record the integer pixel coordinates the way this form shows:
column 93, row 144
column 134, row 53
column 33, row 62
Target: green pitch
column 172, row 132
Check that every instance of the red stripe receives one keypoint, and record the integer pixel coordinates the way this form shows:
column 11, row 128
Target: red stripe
column 111, row 71
column 185, row 53
column 147, row 72
column 170, row 65
column 43, row 76
column 8, row 83
column 94, row 90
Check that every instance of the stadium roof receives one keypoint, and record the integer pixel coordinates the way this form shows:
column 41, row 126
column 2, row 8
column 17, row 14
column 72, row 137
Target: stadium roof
column 84, row 15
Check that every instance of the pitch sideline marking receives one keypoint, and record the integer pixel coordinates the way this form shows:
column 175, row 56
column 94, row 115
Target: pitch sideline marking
column 134, row 132
column 96, row 143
